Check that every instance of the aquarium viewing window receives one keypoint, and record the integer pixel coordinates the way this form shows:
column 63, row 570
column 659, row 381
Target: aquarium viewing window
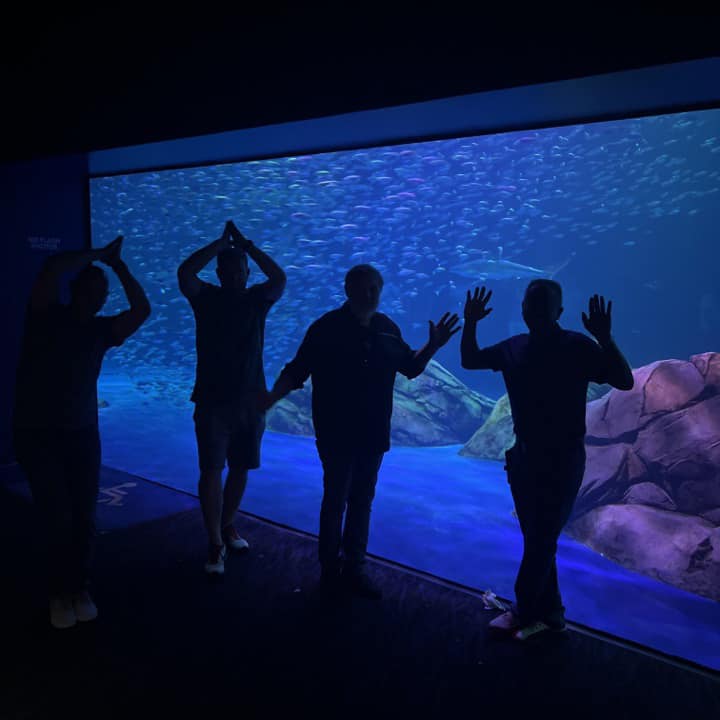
column 628, row 208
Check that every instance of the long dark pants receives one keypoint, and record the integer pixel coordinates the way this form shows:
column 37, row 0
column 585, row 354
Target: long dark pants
column 544, row 486
column 349, row 479
column 63, row 468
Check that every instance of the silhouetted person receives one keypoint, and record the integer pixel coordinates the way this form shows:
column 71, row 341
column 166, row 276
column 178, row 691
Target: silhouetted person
column 353, row 354
column 230, row 332
column 546, row 373
column 57, row 442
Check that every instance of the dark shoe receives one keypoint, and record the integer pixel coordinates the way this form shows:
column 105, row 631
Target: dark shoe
column 330, row 586
column 360, row 585
column 556, row 621
column 556, row 626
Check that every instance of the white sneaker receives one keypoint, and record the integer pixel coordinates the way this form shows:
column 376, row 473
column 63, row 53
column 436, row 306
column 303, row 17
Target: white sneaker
column 215, row 564
column 233, row 540
column 85, row 609
column 62, row 613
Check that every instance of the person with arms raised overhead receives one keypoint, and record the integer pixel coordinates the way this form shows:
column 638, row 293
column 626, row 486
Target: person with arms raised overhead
column 546, row 372
column 56, row 436
column 230, row 336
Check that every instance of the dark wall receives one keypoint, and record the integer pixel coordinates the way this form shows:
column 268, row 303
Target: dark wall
column 77, row 81
column 43, row 209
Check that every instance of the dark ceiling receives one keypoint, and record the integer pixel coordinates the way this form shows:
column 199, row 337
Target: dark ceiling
column 92, row 80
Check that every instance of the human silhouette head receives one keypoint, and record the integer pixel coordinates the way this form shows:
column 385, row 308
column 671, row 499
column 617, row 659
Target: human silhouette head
column 363, row 285
column 542, row 305
column 89, row 290
column 232, row 268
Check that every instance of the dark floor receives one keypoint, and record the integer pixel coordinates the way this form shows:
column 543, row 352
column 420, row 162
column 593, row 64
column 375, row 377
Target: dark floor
column 260, row 643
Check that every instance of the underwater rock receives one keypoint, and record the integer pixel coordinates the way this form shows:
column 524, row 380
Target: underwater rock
column 492, row 440
column 293, row 414
column 713, row 516
column 681, row 550
column 495, row 436
column 430, row 410
column 435, row 408
column 647, row 493
column 656, row 449
column 662, row 387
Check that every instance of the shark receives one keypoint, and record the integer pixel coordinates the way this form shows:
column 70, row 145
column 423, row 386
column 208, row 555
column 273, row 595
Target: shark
column 487, row 267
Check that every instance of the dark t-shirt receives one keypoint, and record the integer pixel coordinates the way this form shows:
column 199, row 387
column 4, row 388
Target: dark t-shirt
column 58, row 370
column 230, row 333
column 353, row 375
column 547, row 380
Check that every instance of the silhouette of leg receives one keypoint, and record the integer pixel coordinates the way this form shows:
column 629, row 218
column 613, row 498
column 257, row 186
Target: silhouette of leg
column 39, row 455
column 544, row 495
column 337, row 475
column 82, row 463
column 212, row 436
column 235, row 485
column 561, row 500
column 534, row 578
column 211, row 498
column 360, row 497
column 243, row 454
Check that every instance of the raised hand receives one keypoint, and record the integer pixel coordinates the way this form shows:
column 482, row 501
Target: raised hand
column 225, row 239
column 476, row 304
column 598, row 320
column 110, row 254
column 237, row 238
column 444, row 330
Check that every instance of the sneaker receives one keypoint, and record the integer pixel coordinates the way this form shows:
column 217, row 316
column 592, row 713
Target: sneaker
column 524, row 633
column 233, row 540
column 556, row 622
column 215, row 564
column 62, row 613
column 357, row 583
column 506, row 623
column 85, row 609
column 555, row 626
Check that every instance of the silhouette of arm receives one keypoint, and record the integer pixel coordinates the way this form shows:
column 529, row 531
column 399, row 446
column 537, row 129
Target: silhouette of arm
column 126, row 323
column 597, row 322
column 296, row 372
column 419, row 361
column 46, row 288
column 618, row 371
column 416, row 361
column 275, row 285
column 188, row 280
column 471, row 356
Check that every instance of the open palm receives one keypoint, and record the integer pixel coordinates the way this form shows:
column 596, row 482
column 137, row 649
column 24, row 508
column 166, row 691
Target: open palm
column 476, row 304
column 444, row 330
column 598, row 321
